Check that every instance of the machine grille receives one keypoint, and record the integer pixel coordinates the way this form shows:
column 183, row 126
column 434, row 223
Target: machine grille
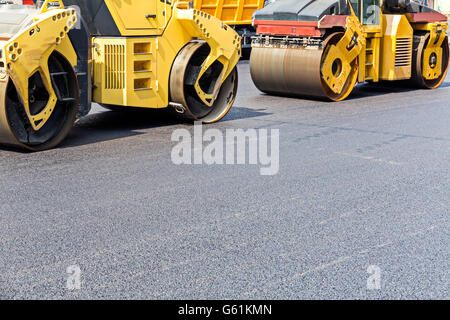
column 114, row 66
column 403, row 52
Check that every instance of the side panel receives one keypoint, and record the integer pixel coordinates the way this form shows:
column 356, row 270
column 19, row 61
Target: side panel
column 140, row 17
column 396, row 53
column 132, row 13
column 134, row 71
column 123, row 18
column 137, row 73
column 125, row 72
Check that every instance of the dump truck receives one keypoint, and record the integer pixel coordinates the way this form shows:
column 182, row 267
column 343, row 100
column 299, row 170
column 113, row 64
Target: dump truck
column 322, row 48
column 58, row 57
column 236, row 13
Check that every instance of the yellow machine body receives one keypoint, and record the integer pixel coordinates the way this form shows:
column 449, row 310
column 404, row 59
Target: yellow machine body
column 134, row 71
column 434, row 46
column 388, row 50
column 396, row 48
column 140, row 18
column 21, row 51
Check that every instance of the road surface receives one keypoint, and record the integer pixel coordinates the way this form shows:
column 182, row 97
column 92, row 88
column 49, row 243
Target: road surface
column 358, row 209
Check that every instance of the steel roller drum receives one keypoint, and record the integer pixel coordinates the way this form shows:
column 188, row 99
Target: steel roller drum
column 296, row 71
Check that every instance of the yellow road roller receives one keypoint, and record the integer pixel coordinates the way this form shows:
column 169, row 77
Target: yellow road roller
column 322, row 48
column 57, row 57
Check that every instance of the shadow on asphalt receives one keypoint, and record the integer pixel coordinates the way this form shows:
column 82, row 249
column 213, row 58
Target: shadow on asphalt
column 238, row 113
column 367, row 89
column 362, row 90
column 112, row 125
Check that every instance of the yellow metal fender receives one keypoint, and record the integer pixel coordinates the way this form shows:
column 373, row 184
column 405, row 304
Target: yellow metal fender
column 28, row 53
column 227, row 51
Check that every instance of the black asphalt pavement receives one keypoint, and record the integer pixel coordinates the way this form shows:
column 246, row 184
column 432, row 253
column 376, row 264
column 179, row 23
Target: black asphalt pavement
column 363, row 191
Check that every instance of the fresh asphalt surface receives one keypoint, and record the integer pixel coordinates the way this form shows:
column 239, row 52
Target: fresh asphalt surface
column 361, row 182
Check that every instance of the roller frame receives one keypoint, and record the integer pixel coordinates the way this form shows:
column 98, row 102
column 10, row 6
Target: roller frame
column 227, row 52
column 28, row 53
column 346, row 50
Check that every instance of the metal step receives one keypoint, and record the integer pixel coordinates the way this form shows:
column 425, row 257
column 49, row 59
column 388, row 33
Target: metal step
column 61, row 97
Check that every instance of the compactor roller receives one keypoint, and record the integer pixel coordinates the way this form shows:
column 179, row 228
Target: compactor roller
column 58, row 57
column 322, row 48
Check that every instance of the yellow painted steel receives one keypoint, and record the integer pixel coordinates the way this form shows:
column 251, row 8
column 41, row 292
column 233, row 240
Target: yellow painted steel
column 28, row 53
column 140, row 17
column 225, row 46
column 233, row 12
column 437, row 33
column 396, row 57
column 126, row 72
column 134, row 71
column 336, row 67
column 388, row 49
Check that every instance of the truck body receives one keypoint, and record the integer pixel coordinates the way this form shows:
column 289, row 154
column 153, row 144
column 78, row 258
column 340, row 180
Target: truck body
column 236, row 13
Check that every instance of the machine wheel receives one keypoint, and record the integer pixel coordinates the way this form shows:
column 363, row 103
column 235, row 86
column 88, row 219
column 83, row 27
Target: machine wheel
column 15, row 128
column 297, row 71
column 184, row 73
column 419, row 44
